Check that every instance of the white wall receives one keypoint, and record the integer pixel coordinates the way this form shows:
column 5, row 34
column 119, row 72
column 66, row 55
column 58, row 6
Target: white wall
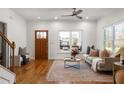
column 88, row 32
column 106, row 21
column 16, row 27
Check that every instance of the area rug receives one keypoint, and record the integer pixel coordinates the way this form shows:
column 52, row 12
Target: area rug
column 57, row 72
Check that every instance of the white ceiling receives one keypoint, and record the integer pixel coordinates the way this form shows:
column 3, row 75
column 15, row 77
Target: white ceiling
column 49, row 13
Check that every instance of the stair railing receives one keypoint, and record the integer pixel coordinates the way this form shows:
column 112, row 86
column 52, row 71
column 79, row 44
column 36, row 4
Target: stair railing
column 11, row 51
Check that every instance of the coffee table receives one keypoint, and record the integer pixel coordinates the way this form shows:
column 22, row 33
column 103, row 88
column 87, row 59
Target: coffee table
column 68, row 60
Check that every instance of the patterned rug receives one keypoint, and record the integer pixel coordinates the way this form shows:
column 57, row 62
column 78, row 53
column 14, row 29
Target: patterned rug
column 58, row 73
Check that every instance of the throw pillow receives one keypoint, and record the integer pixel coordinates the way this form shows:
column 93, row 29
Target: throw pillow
column 22, row 51
column 93, row 47
column 104, row 53
column 97, row 52
column 93, row 53
column 88, row 50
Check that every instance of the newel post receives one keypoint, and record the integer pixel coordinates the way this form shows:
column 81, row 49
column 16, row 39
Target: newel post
column 13, row 57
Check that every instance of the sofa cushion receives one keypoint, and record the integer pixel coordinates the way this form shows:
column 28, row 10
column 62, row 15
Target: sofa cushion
column 91, row 58
column 104, row 53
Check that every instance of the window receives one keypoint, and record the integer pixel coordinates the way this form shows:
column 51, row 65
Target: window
column 119, row 36
column 69, row 39
column 108, row 38
column 114, row 36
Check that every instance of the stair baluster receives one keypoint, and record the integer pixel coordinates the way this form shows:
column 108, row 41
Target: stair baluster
column 11, row 50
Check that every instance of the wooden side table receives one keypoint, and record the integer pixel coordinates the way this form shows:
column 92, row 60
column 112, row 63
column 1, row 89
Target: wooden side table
column 116, row 66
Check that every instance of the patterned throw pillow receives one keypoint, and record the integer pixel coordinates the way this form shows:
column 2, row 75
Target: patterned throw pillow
column 94, row 53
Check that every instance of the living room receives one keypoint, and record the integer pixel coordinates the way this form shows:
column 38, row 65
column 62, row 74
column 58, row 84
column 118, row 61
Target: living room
column 90, row 26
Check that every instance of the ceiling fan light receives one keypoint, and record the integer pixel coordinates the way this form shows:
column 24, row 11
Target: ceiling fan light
column 55, row 17
column 87, row 17
column 38, row 17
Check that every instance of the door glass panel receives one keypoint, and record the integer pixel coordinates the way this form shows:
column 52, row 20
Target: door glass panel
column 41, row 35
column 38, row 35
column 44, row 35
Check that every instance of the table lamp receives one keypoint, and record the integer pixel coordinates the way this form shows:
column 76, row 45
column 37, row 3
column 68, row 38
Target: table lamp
column 121, row 53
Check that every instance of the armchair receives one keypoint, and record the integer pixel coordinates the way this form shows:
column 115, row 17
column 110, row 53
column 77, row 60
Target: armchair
column 23, row 56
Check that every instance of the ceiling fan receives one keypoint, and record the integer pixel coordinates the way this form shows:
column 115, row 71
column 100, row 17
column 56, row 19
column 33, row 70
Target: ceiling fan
column 75, row 13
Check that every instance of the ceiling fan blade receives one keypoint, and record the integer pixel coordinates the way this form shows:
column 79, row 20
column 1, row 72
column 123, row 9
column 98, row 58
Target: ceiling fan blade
column 74, row 10
column 78, row 12
column 66, row 15
column 75, row 13
column 79, row 17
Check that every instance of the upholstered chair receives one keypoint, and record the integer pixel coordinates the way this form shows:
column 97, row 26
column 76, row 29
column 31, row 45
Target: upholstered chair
column 24, row 52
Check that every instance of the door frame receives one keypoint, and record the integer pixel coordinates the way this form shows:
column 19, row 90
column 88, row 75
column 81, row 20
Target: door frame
column 35, row 40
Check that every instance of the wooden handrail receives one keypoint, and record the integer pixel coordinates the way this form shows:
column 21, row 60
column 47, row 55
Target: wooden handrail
column 12, row 45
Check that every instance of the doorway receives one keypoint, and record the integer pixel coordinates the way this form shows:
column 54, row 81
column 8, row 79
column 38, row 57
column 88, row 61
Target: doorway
column 41, row 44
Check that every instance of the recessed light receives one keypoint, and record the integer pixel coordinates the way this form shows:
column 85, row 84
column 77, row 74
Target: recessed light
column 87, row 17
column 38, row 17
column 55, row 17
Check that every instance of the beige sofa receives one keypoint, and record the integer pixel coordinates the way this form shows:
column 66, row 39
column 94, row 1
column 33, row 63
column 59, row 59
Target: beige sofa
column 99, row 64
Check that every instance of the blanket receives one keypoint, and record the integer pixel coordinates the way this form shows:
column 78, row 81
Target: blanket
column 94, row 63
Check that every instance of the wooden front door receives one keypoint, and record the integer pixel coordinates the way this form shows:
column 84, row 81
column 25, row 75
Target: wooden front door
column 41, row 44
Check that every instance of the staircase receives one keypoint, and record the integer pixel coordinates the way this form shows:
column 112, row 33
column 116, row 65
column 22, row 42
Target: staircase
column 11, row 48
column 6, row 76
column 7, row 73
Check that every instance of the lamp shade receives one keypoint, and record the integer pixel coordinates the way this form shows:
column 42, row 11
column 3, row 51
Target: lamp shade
column 121, row 53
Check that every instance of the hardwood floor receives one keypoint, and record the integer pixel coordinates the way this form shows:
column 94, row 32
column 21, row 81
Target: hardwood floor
column 35, row 72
